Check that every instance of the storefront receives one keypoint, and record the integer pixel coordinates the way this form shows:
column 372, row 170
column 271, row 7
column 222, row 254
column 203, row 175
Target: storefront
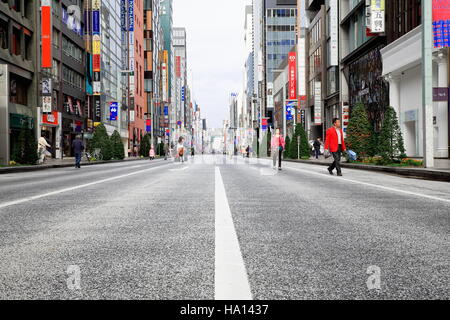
column 50, row 130
column 18, row 123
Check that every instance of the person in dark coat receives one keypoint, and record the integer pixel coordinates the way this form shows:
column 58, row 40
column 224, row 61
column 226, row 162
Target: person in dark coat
column 78, row 148
column 317, row 144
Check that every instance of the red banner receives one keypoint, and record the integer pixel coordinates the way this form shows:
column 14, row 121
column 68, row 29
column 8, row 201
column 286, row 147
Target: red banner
column 178, row 66
column 46, row 37
column 96, row 63
column 292, row 76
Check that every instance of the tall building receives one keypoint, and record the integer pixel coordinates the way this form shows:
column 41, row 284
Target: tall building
column 137, row 103
column 402, row 68
column 154, row 45
column 279, row 37
column 19, row 77
column 322, row 55
column 249, row 72
column 180, row 95
column 106, row 37
column 166, row 18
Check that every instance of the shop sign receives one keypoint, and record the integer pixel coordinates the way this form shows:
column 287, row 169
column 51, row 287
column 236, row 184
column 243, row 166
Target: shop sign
column 440, row 94
column 46, row 104
column 19, row 121
column 318, row 102
column 51, row 119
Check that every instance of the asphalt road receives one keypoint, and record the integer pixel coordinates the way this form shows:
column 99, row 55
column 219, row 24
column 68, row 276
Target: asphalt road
column 216, row 227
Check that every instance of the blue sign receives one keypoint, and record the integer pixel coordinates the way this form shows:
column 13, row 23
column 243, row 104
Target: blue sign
column 290, row 110
column 130, row 15
column 113, row 108
column 182, row 93
column 123, row 15
column 96, row 22
column 166, row 110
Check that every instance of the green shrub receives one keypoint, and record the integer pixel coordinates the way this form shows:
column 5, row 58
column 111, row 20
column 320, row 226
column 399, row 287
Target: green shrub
column 391, row 147
column 286, row 148
column 360, row 134
column 25, row 150
column 100, row 140
column 118, row 151
column 305, row 149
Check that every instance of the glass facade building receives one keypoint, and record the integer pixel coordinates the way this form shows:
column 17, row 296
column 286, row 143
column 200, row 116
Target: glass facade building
column 280, row 36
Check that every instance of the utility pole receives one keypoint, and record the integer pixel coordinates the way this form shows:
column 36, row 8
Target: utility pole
column 427, row 89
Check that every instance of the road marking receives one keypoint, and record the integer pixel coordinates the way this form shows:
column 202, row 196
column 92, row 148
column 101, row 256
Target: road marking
column 179, row 169
column 20, row 201
column 231, row 280
column 371, row 185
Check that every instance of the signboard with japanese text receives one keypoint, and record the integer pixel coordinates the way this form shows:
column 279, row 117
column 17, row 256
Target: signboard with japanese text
column 292, row 75
column 441, row 23
column 46, row 34
column 317, row 102
column 375, row 16
column 113, row 109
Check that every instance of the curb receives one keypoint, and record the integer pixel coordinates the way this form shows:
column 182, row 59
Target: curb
column 18, row 169
column 428, row 174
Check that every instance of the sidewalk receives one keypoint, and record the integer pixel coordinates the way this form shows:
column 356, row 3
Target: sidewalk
column 441, row 171
column 61, row 163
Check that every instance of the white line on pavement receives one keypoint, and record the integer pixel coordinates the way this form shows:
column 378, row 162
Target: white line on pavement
column 371, row 185
column 231, row 280
column 20, row 201
column 179, row 169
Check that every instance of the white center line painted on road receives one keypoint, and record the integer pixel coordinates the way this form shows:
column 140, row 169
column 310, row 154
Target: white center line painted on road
column 231, row 280
column 23, row 200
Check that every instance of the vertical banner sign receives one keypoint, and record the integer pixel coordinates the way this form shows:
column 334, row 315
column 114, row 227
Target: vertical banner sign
column 97, row 108
column 318, row 102
column 113, row 108
column 375, row 13
column 123, row 15
column 334, row 27
column 148, row 125
column 270, row 101
column 46, row 33
column 96, row 48
column 264, row 124
column 441, row 23
column 178, row 66
column 183, row 93
column 292, row 76
column 345, row 117
column 131, row 48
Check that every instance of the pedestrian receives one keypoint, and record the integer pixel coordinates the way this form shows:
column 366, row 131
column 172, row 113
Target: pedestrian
column 42, row 148
column 277, row 145
column 151, row 153
column 180, row 149
column 78, row 148
column 192, row 152
column 166, row 151
column 334, row 142
column 248, row 151
column 317, row 144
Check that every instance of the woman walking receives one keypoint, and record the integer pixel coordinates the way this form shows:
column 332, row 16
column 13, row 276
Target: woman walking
column 278, row 145
column 180, row 149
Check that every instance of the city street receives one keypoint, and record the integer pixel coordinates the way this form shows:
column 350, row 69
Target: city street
column 223, row 228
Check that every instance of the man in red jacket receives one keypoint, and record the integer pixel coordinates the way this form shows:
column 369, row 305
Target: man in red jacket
column 336, row 145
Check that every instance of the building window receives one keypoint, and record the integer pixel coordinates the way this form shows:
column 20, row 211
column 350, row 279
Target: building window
column 3, row 34
column 18, row 87
column 15, row 48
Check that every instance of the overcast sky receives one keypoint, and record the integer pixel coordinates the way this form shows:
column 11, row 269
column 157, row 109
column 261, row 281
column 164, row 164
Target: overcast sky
column 216, row 51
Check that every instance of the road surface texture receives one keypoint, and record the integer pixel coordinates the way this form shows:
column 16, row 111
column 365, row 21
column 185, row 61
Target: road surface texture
column 224, row 228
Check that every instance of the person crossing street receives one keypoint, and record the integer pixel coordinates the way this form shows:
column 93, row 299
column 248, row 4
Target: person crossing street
column 335, row 143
